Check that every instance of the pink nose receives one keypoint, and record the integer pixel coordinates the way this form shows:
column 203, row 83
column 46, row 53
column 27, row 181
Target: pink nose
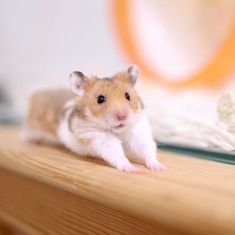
column 121, row 116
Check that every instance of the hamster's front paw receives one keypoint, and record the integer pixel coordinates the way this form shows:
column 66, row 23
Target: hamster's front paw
column 155, row 165
column 128, row 167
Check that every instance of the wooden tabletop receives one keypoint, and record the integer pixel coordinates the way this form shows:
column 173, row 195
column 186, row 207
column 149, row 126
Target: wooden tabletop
column 193, row 196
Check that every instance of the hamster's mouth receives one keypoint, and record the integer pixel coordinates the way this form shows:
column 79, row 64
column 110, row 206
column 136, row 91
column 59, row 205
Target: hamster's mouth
column 119, row 126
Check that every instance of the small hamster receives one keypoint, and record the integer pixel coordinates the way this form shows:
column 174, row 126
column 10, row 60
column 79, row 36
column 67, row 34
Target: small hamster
column 101, row 117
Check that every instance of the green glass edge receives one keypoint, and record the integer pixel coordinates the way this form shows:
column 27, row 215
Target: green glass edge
column 207, row 154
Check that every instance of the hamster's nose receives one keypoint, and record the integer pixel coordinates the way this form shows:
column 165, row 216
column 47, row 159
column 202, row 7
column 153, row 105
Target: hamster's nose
column 121, row 116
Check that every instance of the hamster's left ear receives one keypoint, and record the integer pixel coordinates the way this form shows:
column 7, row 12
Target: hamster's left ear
column 77, row 81
column 132, row 74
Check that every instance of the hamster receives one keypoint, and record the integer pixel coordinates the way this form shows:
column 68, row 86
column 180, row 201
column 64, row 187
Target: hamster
column 101, row 117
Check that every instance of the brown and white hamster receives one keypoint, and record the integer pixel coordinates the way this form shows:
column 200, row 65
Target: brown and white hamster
column 103, row 118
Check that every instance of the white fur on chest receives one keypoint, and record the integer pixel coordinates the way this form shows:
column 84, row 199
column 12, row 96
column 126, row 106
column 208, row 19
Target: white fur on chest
column 138, row 130
column 112, row 147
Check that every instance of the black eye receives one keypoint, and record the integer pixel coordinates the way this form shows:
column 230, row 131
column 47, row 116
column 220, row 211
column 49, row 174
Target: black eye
column 100, row 99
column 127, row 96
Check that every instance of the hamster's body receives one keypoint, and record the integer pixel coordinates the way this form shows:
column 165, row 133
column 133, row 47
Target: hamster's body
column 44, row 113
column 105, row 119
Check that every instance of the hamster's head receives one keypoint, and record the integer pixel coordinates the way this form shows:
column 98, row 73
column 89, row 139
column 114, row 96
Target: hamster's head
column 111, row 103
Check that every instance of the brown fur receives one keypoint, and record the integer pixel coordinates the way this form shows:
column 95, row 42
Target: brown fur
column 114, row 90
column 84, row 141
column 45, row 108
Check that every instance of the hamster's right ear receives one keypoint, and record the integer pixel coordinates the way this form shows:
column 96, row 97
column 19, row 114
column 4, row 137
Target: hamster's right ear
column 77, row 82
column 132, row 74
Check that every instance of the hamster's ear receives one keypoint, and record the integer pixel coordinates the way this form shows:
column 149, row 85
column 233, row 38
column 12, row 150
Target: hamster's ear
column 132, row 74
column 77, row 81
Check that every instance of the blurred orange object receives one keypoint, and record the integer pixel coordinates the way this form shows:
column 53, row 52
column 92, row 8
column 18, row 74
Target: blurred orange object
column 214, row 73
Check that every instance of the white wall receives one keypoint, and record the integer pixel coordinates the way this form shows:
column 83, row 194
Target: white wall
column 42, row 41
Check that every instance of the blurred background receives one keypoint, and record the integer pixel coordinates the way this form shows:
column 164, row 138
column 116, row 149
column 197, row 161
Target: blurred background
column 185, row 50
column 43, row 41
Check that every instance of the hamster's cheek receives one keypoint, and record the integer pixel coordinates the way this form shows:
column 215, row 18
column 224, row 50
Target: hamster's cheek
column 133, row 117
column 94, row 115
column 108, row 119
column 87, row 112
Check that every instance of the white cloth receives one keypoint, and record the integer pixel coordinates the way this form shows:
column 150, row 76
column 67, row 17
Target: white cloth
column 190, row 118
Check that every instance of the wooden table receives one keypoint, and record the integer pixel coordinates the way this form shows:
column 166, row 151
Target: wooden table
column 46, row 190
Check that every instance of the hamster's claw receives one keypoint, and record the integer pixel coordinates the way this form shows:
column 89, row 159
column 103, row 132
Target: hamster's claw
column 155, row 166
column 129, row 168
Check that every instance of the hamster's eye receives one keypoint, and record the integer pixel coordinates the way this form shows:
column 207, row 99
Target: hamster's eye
column 100, row 99
column 127, row 96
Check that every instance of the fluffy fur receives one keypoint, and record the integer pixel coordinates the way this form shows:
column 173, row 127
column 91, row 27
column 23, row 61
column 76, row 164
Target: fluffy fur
column 89, row 128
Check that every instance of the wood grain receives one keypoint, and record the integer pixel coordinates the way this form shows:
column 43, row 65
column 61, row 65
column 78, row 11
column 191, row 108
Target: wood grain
column 5, row 230
column 38, row 208
column 192, row 196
